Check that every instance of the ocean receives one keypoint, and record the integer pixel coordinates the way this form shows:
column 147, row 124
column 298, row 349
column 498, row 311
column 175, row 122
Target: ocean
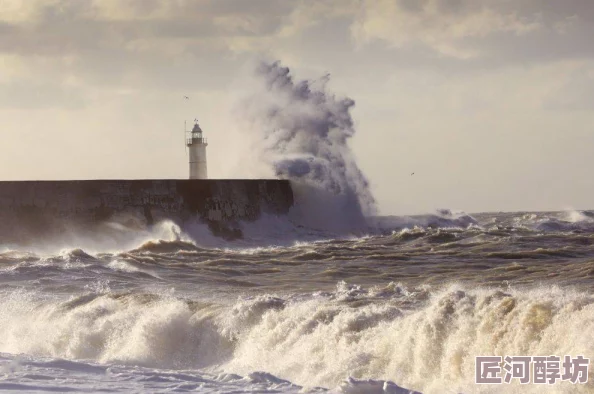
column 405, row 304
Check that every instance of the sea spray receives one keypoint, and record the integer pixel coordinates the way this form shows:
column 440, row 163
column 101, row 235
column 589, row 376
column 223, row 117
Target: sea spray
column 303, row 132
column 417, row 337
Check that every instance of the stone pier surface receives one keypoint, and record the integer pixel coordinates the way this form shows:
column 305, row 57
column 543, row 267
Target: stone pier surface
column 29, row 208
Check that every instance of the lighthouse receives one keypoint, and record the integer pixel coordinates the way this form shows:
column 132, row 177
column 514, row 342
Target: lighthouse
column 196, row 144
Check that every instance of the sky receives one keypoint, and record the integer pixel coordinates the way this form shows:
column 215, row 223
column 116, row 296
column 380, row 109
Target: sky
column 489, row 102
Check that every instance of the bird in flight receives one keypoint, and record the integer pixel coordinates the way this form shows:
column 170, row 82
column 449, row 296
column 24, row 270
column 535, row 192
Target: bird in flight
column 186, row 97
column 412, row 174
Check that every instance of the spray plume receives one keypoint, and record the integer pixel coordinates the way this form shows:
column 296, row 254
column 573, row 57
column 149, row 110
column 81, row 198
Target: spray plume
column 304, row 133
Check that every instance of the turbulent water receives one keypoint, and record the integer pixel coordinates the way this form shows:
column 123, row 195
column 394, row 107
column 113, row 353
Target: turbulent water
column 326, row 299
column 407, row 302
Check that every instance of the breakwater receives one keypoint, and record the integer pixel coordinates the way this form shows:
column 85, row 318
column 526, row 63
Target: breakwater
column 30, row 208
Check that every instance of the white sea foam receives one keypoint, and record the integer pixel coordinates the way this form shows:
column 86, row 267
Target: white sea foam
column 310, row 341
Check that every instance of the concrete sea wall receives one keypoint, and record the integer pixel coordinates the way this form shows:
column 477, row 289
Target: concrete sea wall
column 29, row 208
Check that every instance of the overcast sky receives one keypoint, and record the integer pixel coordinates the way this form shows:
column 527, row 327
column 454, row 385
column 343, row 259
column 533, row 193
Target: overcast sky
column 489, row 102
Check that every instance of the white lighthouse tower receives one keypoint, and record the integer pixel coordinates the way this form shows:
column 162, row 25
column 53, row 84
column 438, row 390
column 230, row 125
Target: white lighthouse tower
column 196, row 144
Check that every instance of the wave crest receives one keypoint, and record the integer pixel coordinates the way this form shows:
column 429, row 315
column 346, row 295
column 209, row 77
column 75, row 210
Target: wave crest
column 419, row 338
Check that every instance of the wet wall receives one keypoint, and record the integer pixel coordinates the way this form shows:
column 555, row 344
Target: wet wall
column 35, row 207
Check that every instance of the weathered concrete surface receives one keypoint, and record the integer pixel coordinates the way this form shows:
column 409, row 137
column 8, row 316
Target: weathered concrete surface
column 35, row 207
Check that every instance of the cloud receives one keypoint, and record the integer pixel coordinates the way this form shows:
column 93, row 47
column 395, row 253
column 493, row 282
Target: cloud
column 438, row 24
column 454, row 34
column 479, row 29
column 72, row 26
column 150, row 43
